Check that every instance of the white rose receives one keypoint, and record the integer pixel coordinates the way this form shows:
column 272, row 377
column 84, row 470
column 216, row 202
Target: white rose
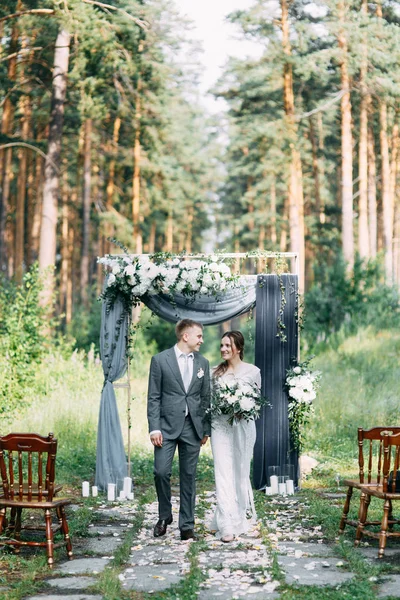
column 213, row 267
column 132, row 281
column 180, row 285
column 297, row 370
column 231, row 399
column 116, row 269
column 246, row 403
column 203, row 290
column 111, row 279
column 184, row 275
column 223, row 268
column 129, row 270
column 207, row 280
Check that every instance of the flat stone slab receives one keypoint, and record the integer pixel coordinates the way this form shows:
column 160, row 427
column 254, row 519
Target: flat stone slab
column 391, row 587
column 372, row 553
column 147, row 579
column 65, row 597
column 71, row 583
column 107, row 530
column 308, row 571
column 231, row 557
column 104, row 546
column 83, row 565
column 305, row 549
column 157, row 554
column 227, row 584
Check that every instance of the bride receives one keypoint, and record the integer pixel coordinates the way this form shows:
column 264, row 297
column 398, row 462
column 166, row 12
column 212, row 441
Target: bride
column 232, row 446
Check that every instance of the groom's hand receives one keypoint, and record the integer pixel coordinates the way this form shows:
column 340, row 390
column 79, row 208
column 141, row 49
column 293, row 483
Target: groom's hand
column 204, row 440
column 156, row 438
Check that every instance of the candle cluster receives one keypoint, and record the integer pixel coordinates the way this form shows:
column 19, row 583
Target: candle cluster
column 125, row 492
column 280, row 484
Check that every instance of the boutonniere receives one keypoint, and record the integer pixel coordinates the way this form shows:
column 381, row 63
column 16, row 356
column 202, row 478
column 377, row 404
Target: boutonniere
column 200, row 373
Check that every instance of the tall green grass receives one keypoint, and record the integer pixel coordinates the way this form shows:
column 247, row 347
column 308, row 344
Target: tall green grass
column 360, row 387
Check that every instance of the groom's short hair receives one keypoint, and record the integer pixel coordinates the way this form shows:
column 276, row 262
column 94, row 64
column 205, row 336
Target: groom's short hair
column 184, row 324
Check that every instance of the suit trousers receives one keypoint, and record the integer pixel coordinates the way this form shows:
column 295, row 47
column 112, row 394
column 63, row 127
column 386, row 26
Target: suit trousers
column 188, row 444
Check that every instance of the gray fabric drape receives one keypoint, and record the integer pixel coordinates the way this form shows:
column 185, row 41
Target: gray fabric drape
column 111, row 458
column 273, row 357
column 206, row 309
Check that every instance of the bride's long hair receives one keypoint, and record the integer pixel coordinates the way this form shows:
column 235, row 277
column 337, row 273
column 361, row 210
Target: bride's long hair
column 237, row 340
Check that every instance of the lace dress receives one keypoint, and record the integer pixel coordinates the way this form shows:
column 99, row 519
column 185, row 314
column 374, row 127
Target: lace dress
column 232, row 447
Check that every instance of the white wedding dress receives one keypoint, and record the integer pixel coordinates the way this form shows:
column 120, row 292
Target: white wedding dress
column 232, row 447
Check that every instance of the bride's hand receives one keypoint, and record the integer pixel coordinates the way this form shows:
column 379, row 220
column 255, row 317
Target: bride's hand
column 204, row 440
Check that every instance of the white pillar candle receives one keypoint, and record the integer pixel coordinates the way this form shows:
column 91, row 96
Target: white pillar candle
column 85, row 489
column 274, row 483
column 282, row 489
column 122, row 495
column 95, row 491
column 111, row 492
column 290, row 487
column 268, row 491
column 127, row 485
column 130, row 496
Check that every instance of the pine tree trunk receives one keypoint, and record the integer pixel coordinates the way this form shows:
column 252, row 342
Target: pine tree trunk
column 372, row 210
column 295, row 192
column 26, row 111
column 110, row 191
column 321, row 168
column 64, row 242
column 273, row 211
column 137, row 234
column 37, row 209
column 48, row 233
column 6, row 228
column 387, row 204
column 347, row 149
column 363, row 230
column 169, row 234
column 315, row 169
column 189, row 229
column 86, row 204
column 152, row 237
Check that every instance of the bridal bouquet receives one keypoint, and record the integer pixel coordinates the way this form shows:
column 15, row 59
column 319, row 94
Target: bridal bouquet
column 301, row 386
column 240, row 400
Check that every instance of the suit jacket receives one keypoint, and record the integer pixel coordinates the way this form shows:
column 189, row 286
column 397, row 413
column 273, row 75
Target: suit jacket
column 167, row 398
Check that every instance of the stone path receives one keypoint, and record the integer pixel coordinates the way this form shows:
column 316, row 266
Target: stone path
column 227, row 571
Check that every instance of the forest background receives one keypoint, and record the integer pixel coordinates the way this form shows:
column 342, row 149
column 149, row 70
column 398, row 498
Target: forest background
column 103, row 135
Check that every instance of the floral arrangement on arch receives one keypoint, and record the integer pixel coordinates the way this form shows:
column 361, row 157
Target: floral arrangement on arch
column 301, row 385
column 131, row 277
column 240, row 400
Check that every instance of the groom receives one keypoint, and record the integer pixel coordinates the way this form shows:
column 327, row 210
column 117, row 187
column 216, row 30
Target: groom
column 178, row 396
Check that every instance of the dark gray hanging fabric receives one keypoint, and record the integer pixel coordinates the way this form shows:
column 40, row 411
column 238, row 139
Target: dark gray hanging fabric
column 206, row 309
column 111, row 458
column 274, row 357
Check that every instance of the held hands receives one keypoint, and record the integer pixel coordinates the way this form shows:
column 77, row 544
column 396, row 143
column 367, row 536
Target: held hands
column 204, row 440
column 156, row 439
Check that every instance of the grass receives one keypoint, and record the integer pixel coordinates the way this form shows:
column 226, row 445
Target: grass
column 359, row 388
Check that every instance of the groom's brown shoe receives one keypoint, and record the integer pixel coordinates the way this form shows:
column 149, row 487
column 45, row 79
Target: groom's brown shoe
column 160, row 527
column 188, row 534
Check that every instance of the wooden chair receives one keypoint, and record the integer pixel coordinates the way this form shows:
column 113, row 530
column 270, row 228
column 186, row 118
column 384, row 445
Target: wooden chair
column 27, row 468
column 370, row 456
column 384, row 491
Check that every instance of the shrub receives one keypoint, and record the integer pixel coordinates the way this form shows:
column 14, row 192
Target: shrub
column 341, row 302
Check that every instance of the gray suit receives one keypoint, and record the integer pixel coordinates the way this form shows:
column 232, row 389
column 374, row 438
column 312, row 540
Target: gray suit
column 166, row 408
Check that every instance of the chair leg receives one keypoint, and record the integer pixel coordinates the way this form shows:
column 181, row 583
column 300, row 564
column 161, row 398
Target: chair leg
column 13, row 514
column 362, row 517
column 2, row 518
column 384, row 528
column 49, row 538
column 391, row 522
column 65, row 530
column 59, row 517
column 346, row 509
column 17, row 528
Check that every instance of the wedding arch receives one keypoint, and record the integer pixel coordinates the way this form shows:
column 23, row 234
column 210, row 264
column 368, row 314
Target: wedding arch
column 214, row 297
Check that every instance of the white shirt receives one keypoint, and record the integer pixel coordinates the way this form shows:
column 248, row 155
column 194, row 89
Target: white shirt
column 181, row 364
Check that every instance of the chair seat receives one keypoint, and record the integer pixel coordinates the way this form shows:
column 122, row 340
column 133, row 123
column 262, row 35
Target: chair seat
column 35, row 490
column 355, row 483
column 377, row 492
column 25, row 503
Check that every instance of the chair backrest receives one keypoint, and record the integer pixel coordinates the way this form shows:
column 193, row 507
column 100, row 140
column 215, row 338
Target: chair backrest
column 391, row 463
column 370, row 451
column 27, row 466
